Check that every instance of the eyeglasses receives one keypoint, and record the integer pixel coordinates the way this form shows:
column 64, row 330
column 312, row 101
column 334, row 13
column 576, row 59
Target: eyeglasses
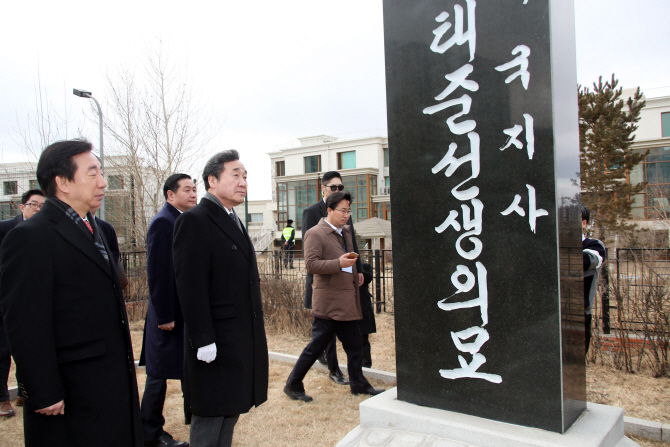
column 34, row 205
column 343, row 211
column 334, row 188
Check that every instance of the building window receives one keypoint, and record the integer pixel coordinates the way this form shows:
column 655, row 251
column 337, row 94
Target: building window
column 256, row 218
column 654, row 202
column 312, row 164
column 665, row 123
column 386, row 157
column 32, row 184
column 383, row 210
column 10, row 187
column 115, row 182
column 280, row 167
column 7, row 210
column 346, row 160
column 293, row 198
column 361, row 187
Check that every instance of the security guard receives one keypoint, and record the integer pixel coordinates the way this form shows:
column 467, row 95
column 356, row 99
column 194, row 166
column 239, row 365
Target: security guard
column 288, row 237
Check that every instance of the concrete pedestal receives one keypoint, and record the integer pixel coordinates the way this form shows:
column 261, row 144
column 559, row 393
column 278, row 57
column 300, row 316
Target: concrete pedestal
column 386, row 421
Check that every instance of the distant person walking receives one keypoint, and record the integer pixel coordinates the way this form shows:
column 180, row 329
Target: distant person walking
column 288, row 238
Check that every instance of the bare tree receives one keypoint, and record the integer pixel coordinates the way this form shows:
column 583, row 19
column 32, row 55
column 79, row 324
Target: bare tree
column 155, row 130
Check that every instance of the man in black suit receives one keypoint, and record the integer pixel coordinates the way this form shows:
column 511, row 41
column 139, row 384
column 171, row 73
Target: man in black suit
column 31, row 202
column 226, row 357
column 64, row 313
column 330, row 182
column 163, row 346
column 593, row 254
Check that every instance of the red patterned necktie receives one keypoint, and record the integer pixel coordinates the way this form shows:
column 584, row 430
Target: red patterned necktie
column 90, row 228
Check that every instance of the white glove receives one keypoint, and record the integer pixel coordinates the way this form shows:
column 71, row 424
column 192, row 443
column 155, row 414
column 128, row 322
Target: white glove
column 596, row 254
column 207, row 353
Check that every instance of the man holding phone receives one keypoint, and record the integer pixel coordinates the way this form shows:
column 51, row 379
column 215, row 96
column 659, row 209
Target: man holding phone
column 336, row 306
column 331, row 182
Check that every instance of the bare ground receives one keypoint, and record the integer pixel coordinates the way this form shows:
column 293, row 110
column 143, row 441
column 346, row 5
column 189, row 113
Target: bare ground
column 334, row 411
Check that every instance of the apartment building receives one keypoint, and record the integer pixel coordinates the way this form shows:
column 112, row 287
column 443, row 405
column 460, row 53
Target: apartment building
column 297, row 171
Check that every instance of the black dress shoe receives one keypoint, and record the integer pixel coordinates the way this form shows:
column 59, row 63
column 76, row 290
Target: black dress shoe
column 337, row 377
column 166, row 440
column 322, row 358
column 369, row 390
column 297, row 395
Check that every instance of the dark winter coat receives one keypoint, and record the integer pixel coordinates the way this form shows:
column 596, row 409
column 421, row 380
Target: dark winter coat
column 367, row 324
column 162, row 351
column 219, row 291
column 67, row 327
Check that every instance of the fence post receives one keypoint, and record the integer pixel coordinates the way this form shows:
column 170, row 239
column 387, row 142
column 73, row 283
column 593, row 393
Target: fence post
column 606, row 294
column 277, row 263
column 378, row 283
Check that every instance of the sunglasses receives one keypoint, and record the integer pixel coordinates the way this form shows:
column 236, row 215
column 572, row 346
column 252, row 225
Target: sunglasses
column 334, row 188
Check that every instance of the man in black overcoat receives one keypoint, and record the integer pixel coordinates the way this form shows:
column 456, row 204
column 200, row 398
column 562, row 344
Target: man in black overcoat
column 64, row 313
column 593, row 255
column 226, row 356
column 163, row 346
column 330, row 182
column 31, row 202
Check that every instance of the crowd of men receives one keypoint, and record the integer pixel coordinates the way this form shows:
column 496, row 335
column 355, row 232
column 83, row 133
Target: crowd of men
column 65, row 321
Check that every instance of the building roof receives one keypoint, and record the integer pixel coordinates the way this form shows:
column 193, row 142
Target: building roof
column 374, row 227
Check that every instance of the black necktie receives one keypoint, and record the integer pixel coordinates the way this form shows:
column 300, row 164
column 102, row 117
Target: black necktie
column 235, row 219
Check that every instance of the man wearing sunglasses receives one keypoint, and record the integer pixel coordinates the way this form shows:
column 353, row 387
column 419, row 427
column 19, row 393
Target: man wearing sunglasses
column 31, row 202
column 331, row 182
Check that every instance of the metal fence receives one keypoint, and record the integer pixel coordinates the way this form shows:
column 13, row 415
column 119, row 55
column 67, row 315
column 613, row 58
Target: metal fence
column 634, row 274
column 271, row 264
column 277, row 264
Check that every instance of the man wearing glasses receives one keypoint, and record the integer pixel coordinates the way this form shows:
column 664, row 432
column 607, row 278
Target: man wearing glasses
column 336, row 306
column 31, row 202
column 331, row 182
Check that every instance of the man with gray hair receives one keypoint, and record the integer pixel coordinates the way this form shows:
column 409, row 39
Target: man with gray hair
column 218, row 285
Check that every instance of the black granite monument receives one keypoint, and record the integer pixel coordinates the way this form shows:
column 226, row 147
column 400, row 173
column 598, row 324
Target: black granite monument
column 483, row 138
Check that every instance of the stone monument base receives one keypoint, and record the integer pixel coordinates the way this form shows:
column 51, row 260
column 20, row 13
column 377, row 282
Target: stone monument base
column 386, row 421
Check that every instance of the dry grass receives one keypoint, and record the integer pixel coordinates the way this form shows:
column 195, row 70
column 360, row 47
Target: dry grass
column 334, row 411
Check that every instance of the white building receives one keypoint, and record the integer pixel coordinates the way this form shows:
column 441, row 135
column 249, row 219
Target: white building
column 653, row 134
column 297, row 172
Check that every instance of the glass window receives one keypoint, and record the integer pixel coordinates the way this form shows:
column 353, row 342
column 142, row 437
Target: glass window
column 280, row 169
column 7, row 210
column 32, row 184
column 256, row 218
column 114, row 182
column 312, row 164
column 10, row 187
column 294, row 197
column 387, row 182
column 386, row 157
column 665, row 121
column 346, row 160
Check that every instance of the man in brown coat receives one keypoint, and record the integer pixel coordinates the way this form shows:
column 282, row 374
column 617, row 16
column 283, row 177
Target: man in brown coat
column 336, row 306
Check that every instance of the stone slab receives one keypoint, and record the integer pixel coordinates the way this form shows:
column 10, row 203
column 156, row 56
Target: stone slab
column 387, row 421
column 643, row 429
column 488, row 288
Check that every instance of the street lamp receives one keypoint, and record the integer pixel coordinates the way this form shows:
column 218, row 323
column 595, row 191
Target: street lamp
column 84, row 94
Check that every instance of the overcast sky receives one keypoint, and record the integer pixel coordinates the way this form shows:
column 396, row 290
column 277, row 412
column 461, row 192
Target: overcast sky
column 268, row 72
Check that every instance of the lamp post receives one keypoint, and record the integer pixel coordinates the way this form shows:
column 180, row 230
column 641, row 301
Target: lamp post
column 85, row 94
